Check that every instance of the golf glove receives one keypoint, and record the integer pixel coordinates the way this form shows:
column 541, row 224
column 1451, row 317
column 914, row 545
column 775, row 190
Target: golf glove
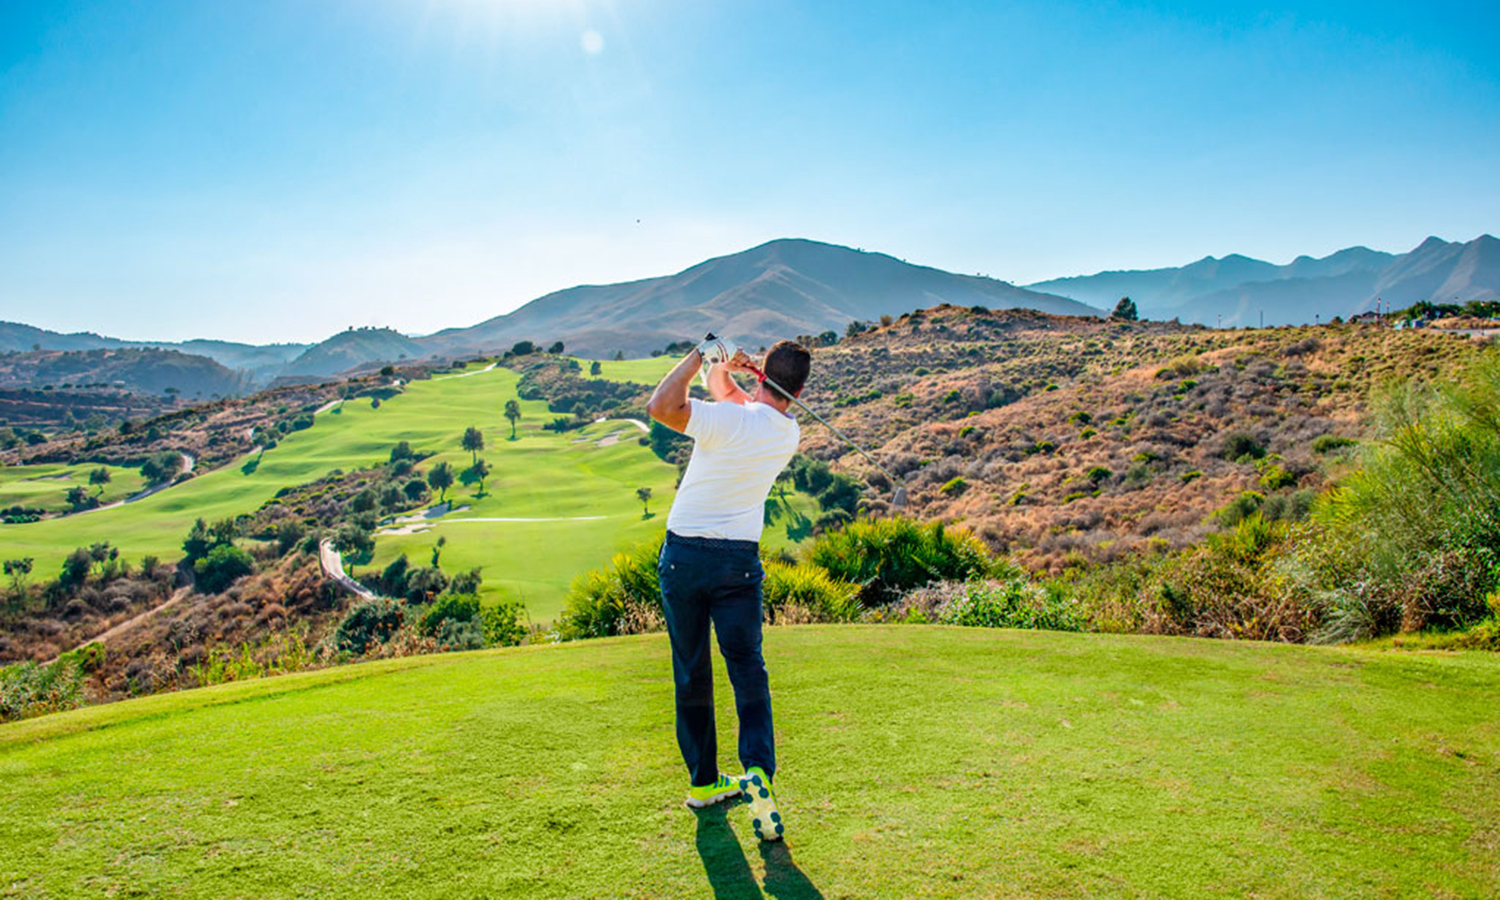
column 716, row 351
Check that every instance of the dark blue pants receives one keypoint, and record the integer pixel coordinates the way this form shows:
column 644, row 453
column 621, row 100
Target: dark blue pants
column 705, row 581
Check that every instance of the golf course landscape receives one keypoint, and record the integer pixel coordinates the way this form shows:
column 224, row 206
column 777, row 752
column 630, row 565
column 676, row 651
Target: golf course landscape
column 915, row 761
column 556, row 504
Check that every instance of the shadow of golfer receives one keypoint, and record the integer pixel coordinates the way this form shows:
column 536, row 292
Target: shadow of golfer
column 784, row 880
column 729, row 873
column 724, row 862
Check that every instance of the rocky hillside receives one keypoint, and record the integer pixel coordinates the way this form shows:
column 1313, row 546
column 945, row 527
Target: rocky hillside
column 1068, row 439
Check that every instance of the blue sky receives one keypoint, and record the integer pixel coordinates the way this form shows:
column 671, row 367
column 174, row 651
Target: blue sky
column 280, row 169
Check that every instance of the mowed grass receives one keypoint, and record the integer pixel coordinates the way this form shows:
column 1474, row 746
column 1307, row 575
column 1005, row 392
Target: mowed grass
column 641, row 371
column 588, row 490
column 915, row 762
column 44, row 486
column 541, row 474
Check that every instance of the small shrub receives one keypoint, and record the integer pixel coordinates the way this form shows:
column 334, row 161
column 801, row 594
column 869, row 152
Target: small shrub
column 808, row 593
column 448, row 608
column 955, row 487
column 1240, row 446
column 504, row 624
column 222, row 566
column 367, row 624
column 600, row 601
column 28, row 689
column 1327, row 443
column 1015, row 602
column 886, row 557
column 1276, row 477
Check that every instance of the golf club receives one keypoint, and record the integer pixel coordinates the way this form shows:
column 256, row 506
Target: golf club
column 898, row 497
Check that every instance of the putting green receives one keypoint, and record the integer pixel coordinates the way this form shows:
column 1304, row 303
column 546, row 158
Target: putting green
column 44, row 486
column 915, row 762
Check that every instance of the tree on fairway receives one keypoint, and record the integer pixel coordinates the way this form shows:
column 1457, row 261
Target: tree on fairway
column 99, row 478
column 644, row 495
column 440, row 479
column 595, row 368
column 475, row 474
column 473, row 442
column 512, row 412
column 1124, row 310
column 437, row 550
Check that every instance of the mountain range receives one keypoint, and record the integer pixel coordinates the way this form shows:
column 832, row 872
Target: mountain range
column 1238, row 290
column 776, row 290
column 788, row 287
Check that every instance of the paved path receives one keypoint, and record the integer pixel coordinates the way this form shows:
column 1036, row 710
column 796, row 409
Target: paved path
column 188, row 462
column 467, row 374
column 333, row 567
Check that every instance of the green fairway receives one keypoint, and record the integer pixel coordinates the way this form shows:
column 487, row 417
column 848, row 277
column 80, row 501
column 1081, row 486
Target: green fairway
column 915, row 762
column 584, row 482
column 44, row 486
column 641, row 371
column 541, row 474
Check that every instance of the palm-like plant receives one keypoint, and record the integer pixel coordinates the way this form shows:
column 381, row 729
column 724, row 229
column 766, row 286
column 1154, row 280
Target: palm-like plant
column 513, row 413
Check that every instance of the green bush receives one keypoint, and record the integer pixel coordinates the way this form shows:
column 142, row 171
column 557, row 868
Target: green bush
column 889, row 556
column 1241, row 446
column 1015, row 602
column 1240, row 508
column 807, row 593
column 504, row 624
column 222, row 566
column 368, row 623
column 448, row 608
column 954, row 487
column 28, row 689
column 600, row 600
column 456, row 634
column 1328, row 443
column 1411, row 539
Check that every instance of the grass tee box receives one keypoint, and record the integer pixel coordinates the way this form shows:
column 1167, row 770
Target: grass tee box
column 915, row 762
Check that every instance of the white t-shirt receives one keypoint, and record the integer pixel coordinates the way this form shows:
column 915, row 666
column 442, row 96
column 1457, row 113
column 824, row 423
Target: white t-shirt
column 737, row 453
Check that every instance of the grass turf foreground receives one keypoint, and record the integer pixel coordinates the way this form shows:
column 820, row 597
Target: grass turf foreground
column 916, row 762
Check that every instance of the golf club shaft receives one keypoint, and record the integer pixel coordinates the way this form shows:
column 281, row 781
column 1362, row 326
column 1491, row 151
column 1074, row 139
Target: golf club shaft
column 809, row 410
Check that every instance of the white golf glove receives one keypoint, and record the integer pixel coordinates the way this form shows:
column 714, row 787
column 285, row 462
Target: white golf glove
column 716, row 351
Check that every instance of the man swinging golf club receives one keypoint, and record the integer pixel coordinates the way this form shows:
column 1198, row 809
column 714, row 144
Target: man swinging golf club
column 710, row 568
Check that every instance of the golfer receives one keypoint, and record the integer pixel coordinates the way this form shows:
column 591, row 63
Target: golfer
column 710, row 564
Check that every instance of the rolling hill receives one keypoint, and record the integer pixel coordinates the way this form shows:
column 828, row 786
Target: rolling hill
column 351, row 349
column 780, row 289
column 1239, row 289
column 143, row 370
column 915, row 761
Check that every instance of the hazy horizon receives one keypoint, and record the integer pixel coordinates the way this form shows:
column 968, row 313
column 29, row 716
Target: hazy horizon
column 280, row 171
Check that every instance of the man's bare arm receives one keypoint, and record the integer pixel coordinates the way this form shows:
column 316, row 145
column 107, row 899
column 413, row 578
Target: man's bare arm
column 669, row 402
column 722, row 386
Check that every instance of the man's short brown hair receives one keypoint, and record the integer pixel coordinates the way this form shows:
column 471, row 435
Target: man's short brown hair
column 788, row 364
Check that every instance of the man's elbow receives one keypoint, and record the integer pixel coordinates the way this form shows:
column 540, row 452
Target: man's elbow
column 673, row 415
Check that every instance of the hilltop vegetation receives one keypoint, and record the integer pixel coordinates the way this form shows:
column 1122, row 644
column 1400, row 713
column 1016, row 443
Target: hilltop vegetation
column 1065, row 442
